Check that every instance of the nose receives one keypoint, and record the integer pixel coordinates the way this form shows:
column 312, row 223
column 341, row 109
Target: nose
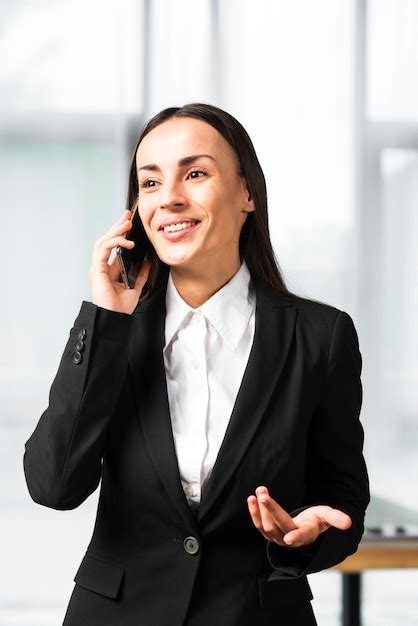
column 172, row 195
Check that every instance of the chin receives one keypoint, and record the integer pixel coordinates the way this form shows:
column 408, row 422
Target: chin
column 177, row 257
column 185, row 262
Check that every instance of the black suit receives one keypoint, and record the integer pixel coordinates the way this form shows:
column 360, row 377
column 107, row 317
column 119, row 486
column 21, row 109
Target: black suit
column 294, row 428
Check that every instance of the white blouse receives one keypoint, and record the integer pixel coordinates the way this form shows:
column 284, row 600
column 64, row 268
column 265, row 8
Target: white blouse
column 205, row 355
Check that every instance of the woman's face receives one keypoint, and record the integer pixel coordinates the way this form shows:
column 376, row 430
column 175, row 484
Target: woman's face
column 177, row 183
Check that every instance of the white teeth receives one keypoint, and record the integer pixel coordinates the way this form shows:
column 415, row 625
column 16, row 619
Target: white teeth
column 180, row 226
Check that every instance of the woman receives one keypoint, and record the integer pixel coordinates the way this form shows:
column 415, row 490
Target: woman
column 220, row 411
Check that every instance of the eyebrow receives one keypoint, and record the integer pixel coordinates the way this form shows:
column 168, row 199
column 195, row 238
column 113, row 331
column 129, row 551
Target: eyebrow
column 182, row 162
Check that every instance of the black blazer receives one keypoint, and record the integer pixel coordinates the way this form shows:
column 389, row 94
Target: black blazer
column 294, row 428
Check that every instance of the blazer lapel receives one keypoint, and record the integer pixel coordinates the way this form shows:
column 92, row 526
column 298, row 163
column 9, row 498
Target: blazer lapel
column 147, row 365
column 275, row 319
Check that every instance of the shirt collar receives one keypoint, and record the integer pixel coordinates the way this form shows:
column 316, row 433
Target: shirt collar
column 228, row 310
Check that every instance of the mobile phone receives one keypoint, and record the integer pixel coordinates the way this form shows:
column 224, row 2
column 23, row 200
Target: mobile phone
column 130, row 261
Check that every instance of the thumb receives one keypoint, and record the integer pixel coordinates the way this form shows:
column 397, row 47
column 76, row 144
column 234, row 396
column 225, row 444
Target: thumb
column 142, row 277
column 336, row 518
column 340, row 520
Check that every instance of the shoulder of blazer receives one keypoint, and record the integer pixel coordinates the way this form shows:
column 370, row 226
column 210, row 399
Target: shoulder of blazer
column 307, row 307
column 318, row 322
column 315, row 320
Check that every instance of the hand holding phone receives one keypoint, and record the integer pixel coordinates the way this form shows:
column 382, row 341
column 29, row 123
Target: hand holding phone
column 131, row 259
column 107, row 290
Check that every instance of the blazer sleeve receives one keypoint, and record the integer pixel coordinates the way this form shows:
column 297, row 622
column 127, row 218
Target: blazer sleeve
column 336, row 473
column 62, row 458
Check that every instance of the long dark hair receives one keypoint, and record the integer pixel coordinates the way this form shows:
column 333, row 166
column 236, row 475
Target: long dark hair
column 254, row 245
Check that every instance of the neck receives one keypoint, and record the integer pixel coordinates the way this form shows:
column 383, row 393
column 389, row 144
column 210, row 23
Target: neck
column 195, row 288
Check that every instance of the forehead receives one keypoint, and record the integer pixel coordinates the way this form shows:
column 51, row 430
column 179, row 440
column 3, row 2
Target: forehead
column 180, row 137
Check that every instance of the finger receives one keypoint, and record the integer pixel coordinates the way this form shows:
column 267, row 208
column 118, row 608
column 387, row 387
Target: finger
column 118, row 229
column 104, row 247
column 281, row 517
column 126, row 215
column 270, row 527
column 261, row 490
column 114, row 269
column 337, row 518
column 326, row 516
column 303, row 535
column 142, row 277
column 271, row 530
column 254, row 510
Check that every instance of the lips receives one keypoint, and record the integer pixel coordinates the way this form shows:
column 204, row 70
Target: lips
column 176, row 221
column 183, row 233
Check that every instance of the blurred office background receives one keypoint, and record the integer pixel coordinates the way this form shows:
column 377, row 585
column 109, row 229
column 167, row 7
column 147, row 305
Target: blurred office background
column 328, row 92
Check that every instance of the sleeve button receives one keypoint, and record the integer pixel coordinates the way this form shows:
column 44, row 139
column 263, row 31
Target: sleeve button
column 77, row 357
column 79, row 346
column 82, row 334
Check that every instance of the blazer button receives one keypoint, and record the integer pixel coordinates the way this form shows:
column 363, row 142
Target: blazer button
column 77, row 357
column 79, row 346
column 191, row 545
column 82, row 334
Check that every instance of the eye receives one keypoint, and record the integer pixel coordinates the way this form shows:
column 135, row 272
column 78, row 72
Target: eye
column 145, row 183
column 197, row 172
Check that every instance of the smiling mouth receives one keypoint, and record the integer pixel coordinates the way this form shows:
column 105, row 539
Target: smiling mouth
column 176, row 232
column 179, row 226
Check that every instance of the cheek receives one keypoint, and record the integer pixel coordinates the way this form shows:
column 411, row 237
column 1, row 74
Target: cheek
column 227, row 219
column 225, row 207
column 146, row 212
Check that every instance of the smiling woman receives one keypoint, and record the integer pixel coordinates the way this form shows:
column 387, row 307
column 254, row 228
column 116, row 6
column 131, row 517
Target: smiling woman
column 209, row 167
column 219, row 410
column 195, row 178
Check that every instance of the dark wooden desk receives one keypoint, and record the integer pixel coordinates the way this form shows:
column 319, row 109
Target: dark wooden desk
column 390, row 542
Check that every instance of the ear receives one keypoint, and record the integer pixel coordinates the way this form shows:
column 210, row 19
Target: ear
column 249, row 205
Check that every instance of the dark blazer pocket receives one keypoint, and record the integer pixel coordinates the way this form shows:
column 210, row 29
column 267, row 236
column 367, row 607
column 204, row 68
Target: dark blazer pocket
column 100, row 576
column 283, row 592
